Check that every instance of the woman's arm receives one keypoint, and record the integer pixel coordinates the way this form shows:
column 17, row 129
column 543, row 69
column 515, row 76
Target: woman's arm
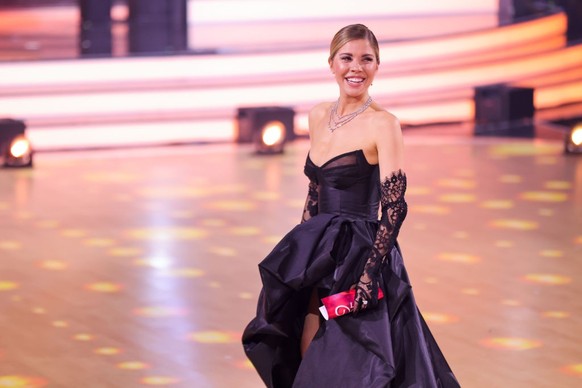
column 388, row 137
column 312, row 201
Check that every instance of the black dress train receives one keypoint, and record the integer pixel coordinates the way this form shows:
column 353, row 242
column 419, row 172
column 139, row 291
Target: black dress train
column 389, row 345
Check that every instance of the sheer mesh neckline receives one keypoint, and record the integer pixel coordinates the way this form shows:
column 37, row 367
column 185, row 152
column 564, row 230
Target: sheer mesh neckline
column 330, row 162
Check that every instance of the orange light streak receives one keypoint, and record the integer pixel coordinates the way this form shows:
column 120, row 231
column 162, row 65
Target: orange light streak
column 226, row 69
column 229, row 98
column 130, row 101
column 225, row 11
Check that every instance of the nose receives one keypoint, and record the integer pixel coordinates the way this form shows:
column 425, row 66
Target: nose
column 356, row 66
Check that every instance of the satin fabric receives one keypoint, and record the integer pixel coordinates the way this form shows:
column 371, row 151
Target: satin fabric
column 388, row 346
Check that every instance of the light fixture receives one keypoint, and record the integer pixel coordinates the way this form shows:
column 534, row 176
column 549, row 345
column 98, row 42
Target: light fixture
column 268, row 128
column 15, row 148
column 504, row 110
column 574, row 140
column 271, row 138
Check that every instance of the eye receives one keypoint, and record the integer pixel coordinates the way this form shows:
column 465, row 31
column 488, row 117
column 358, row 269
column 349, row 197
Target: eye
column 368, row 59
column 346, row 58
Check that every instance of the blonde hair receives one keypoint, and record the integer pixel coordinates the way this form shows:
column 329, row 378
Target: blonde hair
column 353, row 32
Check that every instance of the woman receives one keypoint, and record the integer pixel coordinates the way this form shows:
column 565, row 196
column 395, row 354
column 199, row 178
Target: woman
column 346, row 240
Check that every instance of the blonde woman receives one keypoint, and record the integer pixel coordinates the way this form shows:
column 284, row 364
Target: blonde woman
column 346, row 241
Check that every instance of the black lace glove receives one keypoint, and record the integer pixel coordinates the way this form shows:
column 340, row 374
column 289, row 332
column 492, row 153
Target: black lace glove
column 312, row 202
column 394, row 210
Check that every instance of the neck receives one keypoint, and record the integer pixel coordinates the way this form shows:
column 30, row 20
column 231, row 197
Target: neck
column 347, row 105
column 337, row 120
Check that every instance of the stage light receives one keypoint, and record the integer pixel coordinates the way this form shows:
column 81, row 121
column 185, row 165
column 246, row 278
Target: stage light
column 20, row 147
column 19, row 153
column 268, row 128
column 15, row 148
column 504, row 110
column 574, row 140
column 272, row 138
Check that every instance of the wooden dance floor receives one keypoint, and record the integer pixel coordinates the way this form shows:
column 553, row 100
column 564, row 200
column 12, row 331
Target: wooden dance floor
column 138, row 267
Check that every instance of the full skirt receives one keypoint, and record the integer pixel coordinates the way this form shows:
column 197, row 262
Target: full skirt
column 387, row 346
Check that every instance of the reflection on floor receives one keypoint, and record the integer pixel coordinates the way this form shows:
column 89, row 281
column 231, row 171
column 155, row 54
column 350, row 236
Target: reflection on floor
column 139, row 267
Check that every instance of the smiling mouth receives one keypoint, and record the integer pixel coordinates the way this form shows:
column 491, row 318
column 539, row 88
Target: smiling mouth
column 355, row 80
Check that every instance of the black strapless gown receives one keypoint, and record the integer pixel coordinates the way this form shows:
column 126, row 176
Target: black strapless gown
column 389, row 346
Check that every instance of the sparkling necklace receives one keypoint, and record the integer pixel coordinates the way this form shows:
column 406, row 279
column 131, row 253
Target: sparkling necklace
column 336, row 121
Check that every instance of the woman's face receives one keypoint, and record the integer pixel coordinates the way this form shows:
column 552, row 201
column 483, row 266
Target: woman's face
column 354, row 66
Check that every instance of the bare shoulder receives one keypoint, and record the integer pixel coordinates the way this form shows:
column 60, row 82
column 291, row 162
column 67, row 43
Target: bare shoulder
column 382, row 120
column 319, row 111
column 388, row 141
column 317, row 117
column 385, row 127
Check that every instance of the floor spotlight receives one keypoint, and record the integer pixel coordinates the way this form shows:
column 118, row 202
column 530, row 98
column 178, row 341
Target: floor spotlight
column 574, row 140
column 268, row 128
column 271, row 138
column 15, row 148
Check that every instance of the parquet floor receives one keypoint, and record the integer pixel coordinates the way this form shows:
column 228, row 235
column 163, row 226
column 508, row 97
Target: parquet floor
column 130, row 268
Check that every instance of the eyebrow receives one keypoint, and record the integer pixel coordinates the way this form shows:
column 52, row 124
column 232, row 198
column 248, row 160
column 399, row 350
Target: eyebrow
column 363, row 55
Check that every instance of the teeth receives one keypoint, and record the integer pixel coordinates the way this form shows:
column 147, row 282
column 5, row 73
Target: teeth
column 357, row 80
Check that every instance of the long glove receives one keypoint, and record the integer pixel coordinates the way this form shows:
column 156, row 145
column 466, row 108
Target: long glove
column 394, row 209
column 311, row 202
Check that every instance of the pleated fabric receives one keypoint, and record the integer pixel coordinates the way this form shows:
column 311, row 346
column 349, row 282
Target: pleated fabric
column 388, row 346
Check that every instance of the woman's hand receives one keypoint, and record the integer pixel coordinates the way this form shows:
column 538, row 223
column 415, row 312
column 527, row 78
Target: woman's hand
column 366, row 292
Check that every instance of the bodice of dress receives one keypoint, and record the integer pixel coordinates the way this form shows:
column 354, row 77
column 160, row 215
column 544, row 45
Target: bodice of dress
column 348, row 185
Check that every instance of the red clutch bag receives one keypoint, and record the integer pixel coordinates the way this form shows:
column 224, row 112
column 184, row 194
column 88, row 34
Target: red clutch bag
column 340, row 304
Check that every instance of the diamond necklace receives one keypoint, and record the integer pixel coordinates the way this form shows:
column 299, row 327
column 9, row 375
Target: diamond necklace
column 336, row 121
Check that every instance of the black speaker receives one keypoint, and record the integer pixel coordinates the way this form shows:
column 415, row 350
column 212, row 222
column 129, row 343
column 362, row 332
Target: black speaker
column 524, row 8
column 573, row 10
column 502, row 110
column 251, row 121
column 95, row 29
column 10, row 128
column 158, row 26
